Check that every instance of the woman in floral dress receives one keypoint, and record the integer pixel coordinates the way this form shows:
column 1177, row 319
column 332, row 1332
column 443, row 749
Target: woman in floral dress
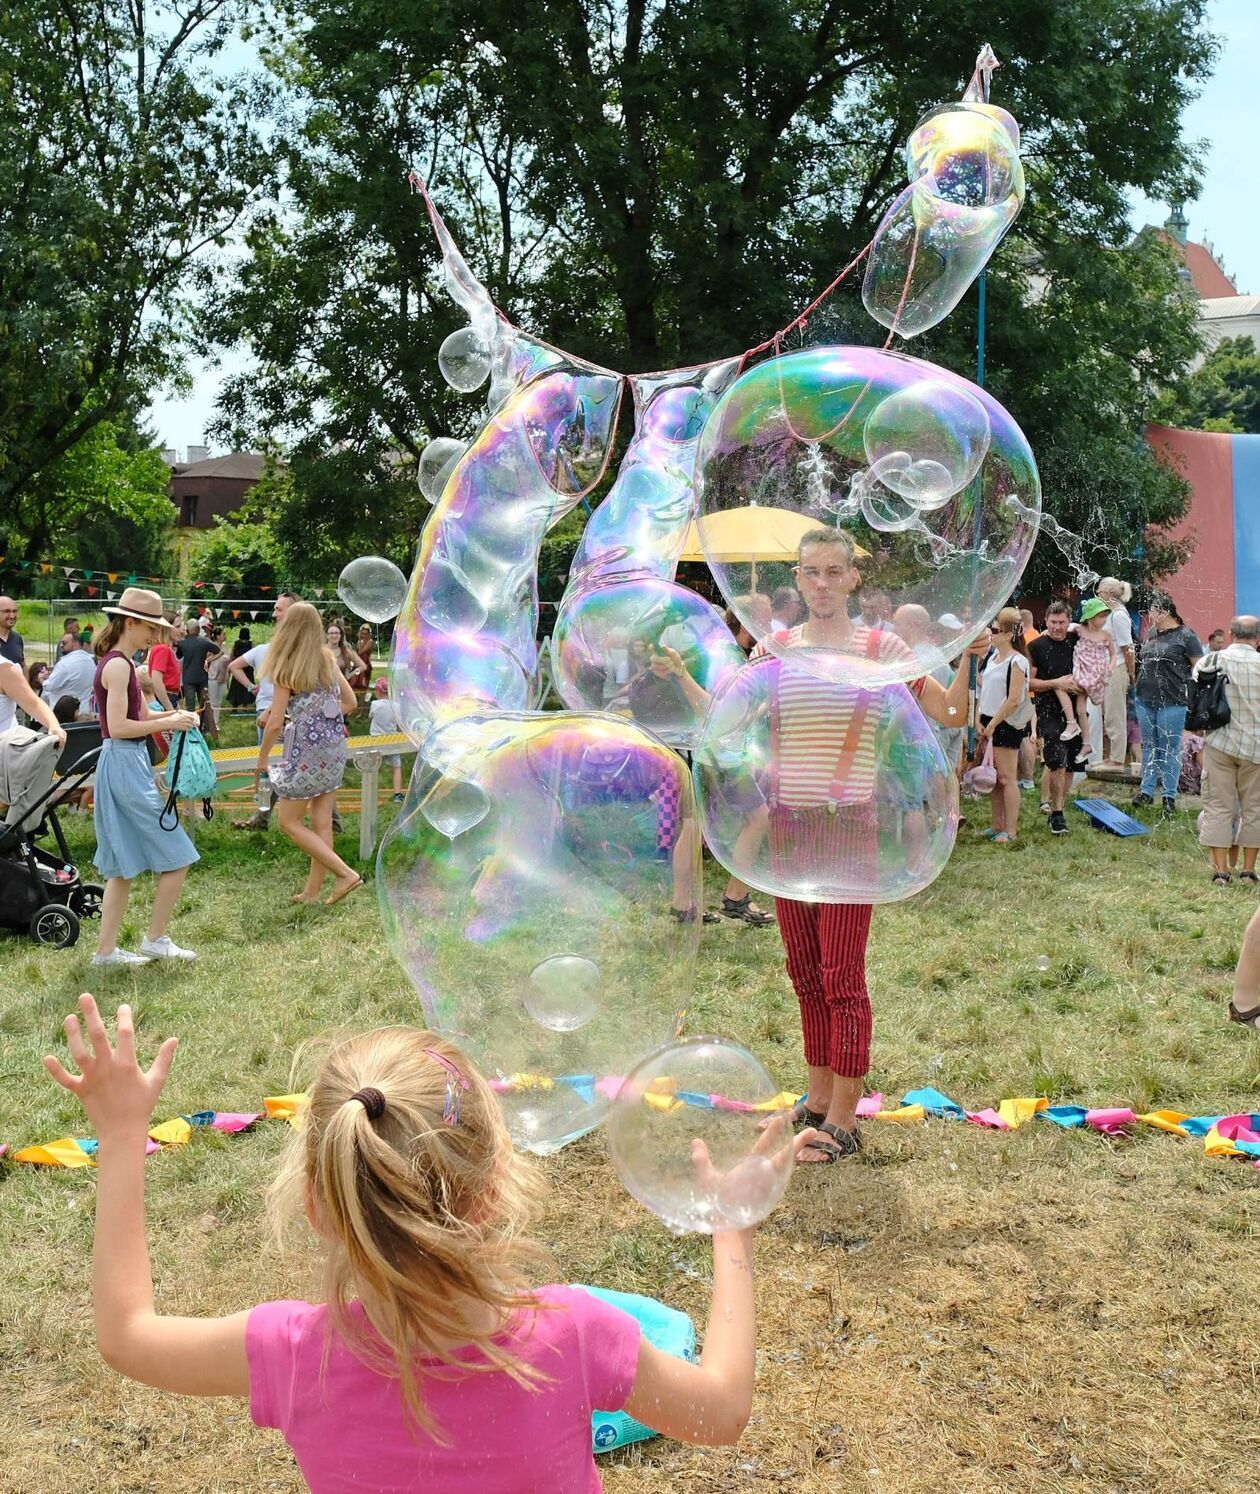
column 316, row 698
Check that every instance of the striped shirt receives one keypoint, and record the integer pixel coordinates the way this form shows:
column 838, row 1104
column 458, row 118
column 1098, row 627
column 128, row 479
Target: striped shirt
column 813, row 718
column 1241, row 738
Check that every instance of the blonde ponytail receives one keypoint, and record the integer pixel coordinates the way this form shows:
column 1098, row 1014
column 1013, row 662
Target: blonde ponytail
column 423, row 1217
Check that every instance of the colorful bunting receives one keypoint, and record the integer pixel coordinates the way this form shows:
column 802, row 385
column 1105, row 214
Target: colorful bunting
column 1223, row 1135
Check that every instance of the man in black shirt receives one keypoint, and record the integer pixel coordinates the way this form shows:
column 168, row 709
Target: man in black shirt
column 11, row 645
column 1051, row 659
column 194, row 650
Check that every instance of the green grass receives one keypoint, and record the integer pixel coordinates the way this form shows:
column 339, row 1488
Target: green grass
column 960, row 1310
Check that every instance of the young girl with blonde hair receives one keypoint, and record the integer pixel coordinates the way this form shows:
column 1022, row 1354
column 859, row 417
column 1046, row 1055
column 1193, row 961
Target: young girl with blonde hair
column 312, row 691
column 430, row 1364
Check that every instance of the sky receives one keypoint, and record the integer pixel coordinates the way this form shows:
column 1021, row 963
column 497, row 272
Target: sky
column 1224, row 215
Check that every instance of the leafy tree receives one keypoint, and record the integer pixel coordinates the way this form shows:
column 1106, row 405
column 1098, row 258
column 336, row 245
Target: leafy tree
column 102, row 504
column 124, row 157
column 240, row 550
column 1222, row 394
column 652, row 185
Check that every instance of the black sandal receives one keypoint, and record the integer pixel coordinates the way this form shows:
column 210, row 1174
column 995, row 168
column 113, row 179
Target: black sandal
column 1248, row 877
column 801, row 1115
column 825, row 1149
column 848, row 1143
column 1221, row 879
column 1249, row 1018
column 741, row 908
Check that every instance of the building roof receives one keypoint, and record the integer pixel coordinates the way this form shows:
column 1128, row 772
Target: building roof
column 1227, row 308
column 1209, row 280
column 245, row 466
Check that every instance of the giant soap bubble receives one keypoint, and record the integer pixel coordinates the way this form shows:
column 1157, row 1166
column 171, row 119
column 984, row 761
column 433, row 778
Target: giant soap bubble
column 372, row 587
column 966, row 189
column 689, row 1138
column 869, row 443
column 622, row 613
column 821, row 791
column 528, row 889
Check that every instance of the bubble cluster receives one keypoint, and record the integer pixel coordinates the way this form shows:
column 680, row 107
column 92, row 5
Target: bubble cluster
column 372, row 588
column 627, row 638
column 868, row 444
column 695, row 1137
column 821, row 791
column 437, row 462
column 528, row 888
column 966, row 189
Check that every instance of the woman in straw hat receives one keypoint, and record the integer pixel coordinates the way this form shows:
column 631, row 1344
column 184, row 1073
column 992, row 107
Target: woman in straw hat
column 129, row 837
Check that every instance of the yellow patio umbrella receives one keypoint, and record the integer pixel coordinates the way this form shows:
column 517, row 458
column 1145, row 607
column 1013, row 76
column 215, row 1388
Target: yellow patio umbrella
column 754, row 533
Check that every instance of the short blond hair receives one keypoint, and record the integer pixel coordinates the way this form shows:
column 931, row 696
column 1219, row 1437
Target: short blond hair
column 827, row 536
column 417, row 1214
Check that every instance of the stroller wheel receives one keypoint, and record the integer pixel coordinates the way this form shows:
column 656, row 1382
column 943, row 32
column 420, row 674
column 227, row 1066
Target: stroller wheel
column 55, row 925
column 87, row 902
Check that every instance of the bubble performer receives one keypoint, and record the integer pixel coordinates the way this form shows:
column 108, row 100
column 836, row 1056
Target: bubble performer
column 542, row 883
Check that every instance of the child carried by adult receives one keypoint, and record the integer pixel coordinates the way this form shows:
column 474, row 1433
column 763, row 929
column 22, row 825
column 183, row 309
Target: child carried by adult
column 1092, row 663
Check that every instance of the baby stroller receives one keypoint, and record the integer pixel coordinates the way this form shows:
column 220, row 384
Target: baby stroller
column 41, row 892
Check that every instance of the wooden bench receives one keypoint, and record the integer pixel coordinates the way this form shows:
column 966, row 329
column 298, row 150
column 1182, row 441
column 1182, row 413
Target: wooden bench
column 364, row 752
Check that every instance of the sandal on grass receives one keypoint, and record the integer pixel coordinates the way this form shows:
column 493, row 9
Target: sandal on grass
column 1221, row 879
column 827, row 1150
column 688, row 915
column 1249, row 1018
column 1248, row 877
column 801, row 1115
column 848, row 1143
column 742, row 909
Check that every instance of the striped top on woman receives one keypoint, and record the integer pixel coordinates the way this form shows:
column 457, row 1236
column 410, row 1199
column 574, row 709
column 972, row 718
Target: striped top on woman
column 813, row 720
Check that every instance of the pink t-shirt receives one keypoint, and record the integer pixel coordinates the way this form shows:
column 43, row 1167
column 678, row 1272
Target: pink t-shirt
column 349, row 1432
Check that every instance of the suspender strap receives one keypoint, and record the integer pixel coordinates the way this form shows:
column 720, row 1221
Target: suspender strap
column 852, row 736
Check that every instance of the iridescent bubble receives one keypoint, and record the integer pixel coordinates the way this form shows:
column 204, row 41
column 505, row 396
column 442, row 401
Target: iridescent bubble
column 1042, row 962
column 372, row 587
column 619, row 646
column 689, row 1137
column 562, row 993
column 451, row 603
column 784, row 460
column 528, row 889
column 454, row 805
column 464, row 359
column 821, row 791
column 437, row 462
column 966, row 189
column 943, row 431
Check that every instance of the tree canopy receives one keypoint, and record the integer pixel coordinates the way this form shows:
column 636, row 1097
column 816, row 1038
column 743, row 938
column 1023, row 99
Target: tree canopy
column 1222, row 394
column 126, row 153
column 653, row 185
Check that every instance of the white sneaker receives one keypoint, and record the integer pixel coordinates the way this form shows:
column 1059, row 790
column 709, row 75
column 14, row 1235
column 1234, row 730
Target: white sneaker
column 165, row 948
column 120, row 957
column 1069, row 733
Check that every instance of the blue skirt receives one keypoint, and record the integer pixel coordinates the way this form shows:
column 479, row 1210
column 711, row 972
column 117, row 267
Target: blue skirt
column 129, row 839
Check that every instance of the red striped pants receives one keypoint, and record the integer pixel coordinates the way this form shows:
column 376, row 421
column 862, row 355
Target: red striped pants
column 826, row 942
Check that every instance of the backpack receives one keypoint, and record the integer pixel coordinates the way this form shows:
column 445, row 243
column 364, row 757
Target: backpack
column 191, row 775
column 1208, row 708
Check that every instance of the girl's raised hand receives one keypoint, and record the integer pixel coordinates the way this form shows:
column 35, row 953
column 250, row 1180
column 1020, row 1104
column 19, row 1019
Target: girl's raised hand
column 113, row 1089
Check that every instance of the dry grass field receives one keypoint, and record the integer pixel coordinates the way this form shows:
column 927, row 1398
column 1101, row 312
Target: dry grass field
column 959, row 1310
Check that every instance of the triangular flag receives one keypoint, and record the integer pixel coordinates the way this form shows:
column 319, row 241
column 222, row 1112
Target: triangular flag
column 44, row 568
column 218, row 588
column 68, row 570
column 74, row 586
column 113, row 575
column 92, row 590
column 131, row 580
column 87, row 575
column 236, row 611
column 319, row 591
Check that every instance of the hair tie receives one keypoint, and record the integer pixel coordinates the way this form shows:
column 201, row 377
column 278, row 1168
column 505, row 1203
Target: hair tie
column 372, row 1100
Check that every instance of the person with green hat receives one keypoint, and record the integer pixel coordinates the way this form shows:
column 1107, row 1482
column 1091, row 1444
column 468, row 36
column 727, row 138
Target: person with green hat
column 1092, row 663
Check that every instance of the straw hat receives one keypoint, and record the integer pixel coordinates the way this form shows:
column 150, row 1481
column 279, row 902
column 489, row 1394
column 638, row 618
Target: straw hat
column 137, row 602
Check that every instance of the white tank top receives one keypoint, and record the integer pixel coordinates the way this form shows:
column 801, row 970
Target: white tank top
column 8, row 706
